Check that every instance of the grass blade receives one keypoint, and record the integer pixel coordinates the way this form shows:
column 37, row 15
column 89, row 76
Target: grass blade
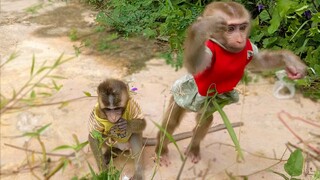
column 171, row 139
column 229, row 129
column 32, row 65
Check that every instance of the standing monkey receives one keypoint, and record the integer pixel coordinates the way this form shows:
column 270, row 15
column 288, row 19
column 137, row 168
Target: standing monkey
column 216, row 53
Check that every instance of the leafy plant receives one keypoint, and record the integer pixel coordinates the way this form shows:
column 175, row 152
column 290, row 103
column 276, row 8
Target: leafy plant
column 27, row 94
column 165, row 20
column 293, row 25
column 35, row 8
column 36, row 134
column 111, row 174
column 73, row 34
column 77, row 147
column 316, row 176
column 45, row 161
column 294, row 166
column 63, row 161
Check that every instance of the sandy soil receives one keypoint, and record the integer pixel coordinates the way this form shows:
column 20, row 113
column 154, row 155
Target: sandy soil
column 44, row 34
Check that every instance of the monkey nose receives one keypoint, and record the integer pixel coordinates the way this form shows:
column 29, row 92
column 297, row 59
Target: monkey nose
column 240, row 40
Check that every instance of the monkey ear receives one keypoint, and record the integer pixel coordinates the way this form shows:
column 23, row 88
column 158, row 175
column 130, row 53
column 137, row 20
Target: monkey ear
column 127, row 85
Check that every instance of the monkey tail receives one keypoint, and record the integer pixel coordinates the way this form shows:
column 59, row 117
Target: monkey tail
column 186, row 135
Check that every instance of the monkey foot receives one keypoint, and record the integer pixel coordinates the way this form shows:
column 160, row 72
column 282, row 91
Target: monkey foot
column 162, row 160
column 195, row 157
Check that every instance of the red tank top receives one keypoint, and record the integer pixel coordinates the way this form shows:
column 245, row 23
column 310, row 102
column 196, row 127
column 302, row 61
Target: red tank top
column 226, row 69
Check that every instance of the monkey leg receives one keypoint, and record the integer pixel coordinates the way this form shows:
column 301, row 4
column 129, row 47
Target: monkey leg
column 200, row 132
column 171, row 120
column 136, row 147
column 102, row 159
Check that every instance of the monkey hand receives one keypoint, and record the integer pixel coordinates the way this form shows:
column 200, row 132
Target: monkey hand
column 295, row 68
column 295, row 73
column 120, row 127
column 211, row 24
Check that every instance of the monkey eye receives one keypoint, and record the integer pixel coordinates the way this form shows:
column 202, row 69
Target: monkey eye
column 231, row 29
column 117, row 109
column 243, row 27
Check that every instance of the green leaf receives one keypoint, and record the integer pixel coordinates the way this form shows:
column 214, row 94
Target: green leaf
column 298, row 30
column 30, row 134
column 56, row 77
column 41, row 85
column 11, row 57
column 149, row 33
column 65, row 164
column 33, row 94
column 229, row 128
column 56, row 86
column 64, row 104
column 283, row 6
column 87, row 93
column 171, row 139
column 58, row 61
column 93, row 174
column 43, row 128
column 3, row 102
column 275, row 22
column 32, row 65
column 264, row 15
column 267, row 43
column 45, row 94
column 62, row 147
column 316, row 175
column 42, row 69
column 97, row 135
column 294, row 164
column 81, row 145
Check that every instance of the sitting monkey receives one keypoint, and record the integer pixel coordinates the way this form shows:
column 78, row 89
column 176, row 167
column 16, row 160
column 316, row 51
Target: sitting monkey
column 120, row 121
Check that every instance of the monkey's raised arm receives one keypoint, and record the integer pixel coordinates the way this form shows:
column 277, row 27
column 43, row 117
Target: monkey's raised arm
column 268, row 59
column 196, row 59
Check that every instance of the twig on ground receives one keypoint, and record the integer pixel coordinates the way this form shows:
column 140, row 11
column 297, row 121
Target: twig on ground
column 33, row 151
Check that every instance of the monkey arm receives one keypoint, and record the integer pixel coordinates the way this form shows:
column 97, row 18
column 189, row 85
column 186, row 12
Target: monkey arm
column 97, row 152
column 196, row 59
column 136, row 125
column 268, row 59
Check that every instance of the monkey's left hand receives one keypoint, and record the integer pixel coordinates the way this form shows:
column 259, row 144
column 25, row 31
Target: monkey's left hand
column 296, row 72
column 295, row 68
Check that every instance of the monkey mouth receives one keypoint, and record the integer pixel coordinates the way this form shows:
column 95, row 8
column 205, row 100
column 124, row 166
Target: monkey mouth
column 235, row 50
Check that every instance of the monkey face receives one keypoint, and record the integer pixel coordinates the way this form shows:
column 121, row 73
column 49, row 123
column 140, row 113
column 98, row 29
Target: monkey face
column 113, row 97
column 113, row 115
column 236, row 35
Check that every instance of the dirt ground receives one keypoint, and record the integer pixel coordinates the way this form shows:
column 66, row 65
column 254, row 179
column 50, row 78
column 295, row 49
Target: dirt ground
column 41, row 29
